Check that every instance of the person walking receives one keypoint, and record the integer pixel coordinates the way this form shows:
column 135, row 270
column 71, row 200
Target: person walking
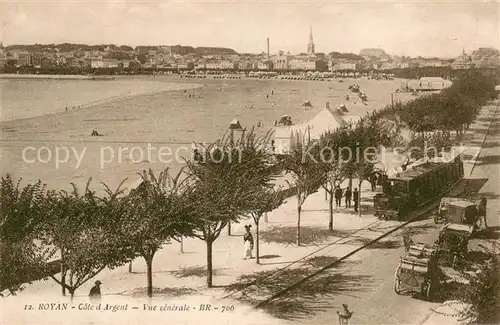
column 355, row 196
column 344, row 315
column 373, row 182
column 95, row 292
column 338, row 196
column 248, row 243
column 348, row 196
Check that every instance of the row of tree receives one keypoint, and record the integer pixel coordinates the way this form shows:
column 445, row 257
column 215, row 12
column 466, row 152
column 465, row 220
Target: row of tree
column 225, row 183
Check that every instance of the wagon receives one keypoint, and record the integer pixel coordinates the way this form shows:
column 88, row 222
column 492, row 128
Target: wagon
column 418, row 272
column 460, row 211
column 452, row 243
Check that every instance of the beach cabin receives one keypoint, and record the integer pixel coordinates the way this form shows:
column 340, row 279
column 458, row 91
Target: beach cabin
column 432, row 83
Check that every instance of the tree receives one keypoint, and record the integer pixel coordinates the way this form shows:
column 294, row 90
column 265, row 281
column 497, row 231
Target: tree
column 329, row 154
column 21, row 214
column 78, row 227
column 223, row 181
column 483, row 291
column 264, row 201
column 157, row 215
column 308, row 175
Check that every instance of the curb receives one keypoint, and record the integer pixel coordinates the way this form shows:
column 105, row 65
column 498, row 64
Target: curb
column 484, row 139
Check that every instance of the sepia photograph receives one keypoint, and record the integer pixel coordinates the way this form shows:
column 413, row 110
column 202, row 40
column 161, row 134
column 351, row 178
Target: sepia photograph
column 249, row 162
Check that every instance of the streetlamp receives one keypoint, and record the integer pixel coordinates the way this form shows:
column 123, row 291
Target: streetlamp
column 344, row 315
column 233, row 126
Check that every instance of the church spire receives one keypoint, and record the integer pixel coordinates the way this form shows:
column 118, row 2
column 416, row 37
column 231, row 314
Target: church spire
column 310, row 46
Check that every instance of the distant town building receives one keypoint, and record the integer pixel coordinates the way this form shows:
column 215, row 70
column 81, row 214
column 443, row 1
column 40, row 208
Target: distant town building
column 104, row 63
column 310, row 45
column 24, row 59
column 464, row 61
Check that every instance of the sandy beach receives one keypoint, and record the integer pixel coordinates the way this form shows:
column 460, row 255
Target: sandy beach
column 58, row 148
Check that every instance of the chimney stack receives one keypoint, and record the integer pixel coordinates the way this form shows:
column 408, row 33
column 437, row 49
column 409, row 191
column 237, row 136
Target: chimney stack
column 268, row 49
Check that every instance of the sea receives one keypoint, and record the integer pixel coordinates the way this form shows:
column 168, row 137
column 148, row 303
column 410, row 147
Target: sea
column 148, row 122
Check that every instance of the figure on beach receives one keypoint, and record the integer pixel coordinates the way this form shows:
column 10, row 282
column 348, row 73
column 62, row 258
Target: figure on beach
column 248, row 243
column 95, row 133
column 95, row 292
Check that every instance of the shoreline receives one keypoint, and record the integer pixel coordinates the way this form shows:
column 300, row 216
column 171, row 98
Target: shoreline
column 31, row 76
column 104, row 101
column 170, row 120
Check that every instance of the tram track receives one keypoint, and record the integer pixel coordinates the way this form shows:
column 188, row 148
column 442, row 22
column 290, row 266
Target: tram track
column 417, row 215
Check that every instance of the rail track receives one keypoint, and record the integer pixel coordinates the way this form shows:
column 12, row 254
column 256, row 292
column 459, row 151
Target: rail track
column 430, row 206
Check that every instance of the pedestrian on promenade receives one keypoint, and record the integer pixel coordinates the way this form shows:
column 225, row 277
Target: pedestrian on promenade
column 355, row 196
column 344, row 315
column 348, row 196
column 95, row 292
column 338, row 196
column 373, row 182
column 248, row 243
column 482, row 211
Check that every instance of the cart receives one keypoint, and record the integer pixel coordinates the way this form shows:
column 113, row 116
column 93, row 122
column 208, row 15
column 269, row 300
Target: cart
column 452, row 243
column 418, row 271
column 460, row 211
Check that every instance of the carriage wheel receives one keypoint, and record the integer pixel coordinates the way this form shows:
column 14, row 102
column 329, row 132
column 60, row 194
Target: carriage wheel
column 397, row 285
column 397, row 282
column 428, row 291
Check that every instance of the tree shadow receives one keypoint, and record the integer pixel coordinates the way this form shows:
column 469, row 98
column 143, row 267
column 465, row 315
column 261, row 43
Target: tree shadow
column 474, row 185
column 490, row 233
column 197, row 271
column 486, row 145
column 308, row 235
column 308, row 298
column 386, row 244
column 420, row 229
column 266, row 257
column 488, row 160
column 320, row 261
column 170, row 292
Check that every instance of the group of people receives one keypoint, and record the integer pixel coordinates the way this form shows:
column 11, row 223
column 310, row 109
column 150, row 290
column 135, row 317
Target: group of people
column 350, row 196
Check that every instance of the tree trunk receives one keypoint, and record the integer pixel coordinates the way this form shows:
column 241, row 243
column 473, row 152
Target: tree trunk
column 299, row 208
column 359, row 198
column 330, row 209
column 182, row 245
column 326, row 191
column 209, row 263
column 350, row 181
column 229, row 228
column 149, row 264
column 63, row 279
column 257, row 251
column 130, row 267
column 72, row 293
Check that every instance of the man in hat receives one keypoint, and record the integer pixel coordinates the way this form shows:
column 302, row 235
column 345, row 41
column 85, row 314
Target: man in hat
column 95, row 292
column 355, row 196
column 344, row 315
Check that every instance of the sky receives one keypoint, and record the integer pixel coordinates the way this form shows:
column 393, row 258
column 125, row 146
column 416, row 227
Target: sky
column 411, row 28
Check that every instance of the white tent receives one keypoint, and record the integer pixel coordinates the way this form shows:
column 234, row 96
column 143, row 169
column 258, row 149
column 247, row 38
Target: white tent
column 326, row 120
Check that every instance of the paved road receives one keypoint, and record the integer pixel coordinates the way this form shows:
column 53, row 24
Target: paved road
column 367, row 284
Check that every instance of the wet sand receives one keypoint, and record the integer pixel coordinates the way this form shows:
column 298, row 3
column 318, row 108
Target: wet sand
column 168, row 121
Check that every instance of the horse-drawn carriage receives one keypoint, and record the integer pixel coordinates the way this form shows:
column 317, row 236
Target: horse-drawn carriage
column 452, row 243
column 461, row 211
column 418, row 271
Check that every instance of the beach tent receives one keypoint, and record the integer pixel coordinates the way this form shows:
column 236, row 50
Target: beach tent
column 235, row 125
column 326, row 120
